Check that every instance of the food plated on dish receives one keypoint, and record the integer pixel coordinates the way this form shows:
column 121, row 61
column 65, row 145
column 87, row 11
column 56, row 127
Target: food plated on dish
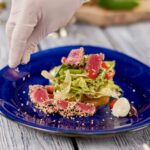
column 79, row 86
column 130, row 78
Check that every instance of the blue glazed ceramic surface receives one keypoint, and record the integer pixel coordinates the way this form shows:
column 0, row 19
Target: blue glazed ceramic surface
column 131, row 75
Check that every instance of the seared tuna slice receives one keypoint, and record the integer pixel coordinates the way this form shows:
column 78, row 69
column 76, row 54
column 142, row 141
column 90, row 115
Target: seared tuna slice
column 66, row 108
column 75, row 57
column 38, row 94
column 93, row 65
column 85, row 109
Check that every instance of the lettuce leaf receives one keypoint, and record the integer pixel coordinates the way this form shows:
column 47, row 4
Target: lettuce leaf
column 64, row 87
column 111, row 65
column 73, row 83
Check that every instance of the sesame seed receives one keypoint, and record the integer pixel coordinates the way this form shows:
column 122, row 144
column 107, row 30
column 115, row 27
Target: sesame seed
column 83, row 124
column 17, row 69
column 34, row 109
column 27, row 103
column 23, row 78
column 24, row 92
column 133, row 90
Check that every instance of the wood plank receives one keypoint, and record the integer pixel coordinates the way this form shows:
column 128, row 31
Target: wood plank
column 132, row 141
column 140, row 33
column 78, row 34
column 16, row 137
column 121, row 39
column 132, row 40
column 103, row 17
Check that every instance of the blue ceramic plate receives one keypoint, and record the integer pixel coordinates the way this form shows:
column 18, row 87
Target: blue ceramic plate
column 131, row 75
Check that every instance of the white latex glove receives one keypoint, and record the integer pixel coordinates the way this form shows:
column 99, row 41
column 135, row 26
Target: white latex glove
column 32, row 20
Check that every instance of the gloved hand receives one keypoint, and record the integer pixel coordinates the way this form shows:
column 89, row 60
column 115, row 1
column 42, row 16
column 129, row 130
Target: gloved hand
column 32, row 20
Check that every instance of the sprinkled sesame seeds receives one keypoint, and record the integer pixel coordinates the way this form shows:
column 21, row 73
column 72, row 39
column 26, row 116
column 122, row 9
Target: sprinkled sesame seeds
column 24, row 92
column 27, row 103
column 83, row 124
column 133, row 90
column 92, row 122
column 23, row 78
column 17, row 69
column 34, row 109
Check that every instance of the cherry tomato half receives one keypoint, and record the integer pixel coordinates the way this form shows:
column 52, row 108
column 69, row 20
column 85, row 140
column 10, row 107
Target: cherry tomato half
column 104, row 65
column 92, row 74
column 109, row 75
column 112, row 103
column 50, row 89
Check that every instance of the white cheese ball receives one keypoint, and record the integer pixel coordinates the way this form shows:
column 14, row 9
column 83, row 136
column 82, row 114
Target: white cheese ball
column 121, row 107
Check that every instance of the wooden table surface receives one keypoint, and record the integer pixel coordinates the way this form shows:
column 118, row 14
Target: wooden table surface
column 133, row 40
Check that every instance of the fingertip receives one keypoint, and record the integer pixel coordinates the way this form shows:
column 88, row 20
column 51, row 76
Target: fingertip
column 12, row 65
column 15, row 54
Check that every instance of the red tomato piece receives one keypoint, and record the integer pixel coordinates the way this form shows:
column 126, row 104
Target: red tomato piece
column 104, row 65
column 50, row 88
column 92, row 74
column 109, row 75
column 111, row 104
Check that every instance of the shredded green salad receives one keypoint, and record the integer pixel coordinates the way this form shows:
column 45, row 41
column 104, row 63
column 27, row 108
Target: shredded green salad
column 72, row 82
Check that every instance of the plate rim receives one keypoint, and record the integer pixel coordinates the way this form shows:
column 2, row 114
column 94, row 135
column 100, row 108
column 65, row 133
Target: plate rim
column 116, row 131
